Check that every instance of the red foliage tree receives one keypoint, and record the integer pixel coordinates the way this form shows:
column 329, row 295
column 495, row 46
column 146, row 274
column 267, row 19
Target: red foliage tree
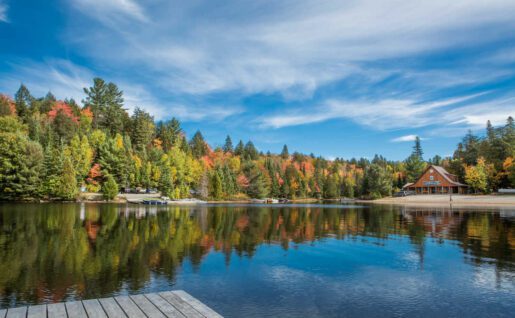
column 60, row 106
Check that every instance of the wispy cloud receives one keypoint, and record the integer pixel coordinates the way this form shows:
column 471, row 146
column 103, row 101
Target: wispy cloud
column 405, row 138
column 106, row 10
column 3, row 12
column 288, row 48
column 382, row 114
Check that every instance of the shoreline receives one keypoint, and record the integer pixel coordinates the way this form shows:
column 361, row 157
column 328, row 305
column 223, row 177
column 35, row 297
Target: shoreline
column 463, row 200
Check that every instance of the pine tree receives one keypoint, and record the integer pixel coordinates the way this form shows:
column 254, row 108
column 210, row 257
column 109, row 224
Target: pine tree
column 250, row 151
column 106, row 103
column 110, row 188
column 240, row 148
column 417, row 149
column 68, row 183
column 166, row 185
column 284, row 153
column 23, row 101
column 142, row 129
column 228, row 147
column 198, row 145
column 216, row 186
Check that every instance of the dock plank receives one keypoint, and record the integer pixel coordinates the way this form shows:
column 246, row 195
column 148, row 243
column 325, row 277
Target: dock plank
column 129, row 307
column 75, row 309
column 171, row 304
column 38, row 311
column 94, row 309
column 19, row 312
column 195, row 303
column 164, row 306
column 180, row 304
column 147, row 307
column 112, row 308
column 57, row 310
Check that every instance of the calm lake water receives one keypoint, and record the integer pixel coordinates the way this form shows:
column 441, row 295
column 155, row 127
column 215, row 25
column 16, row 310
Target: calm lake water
column 254, row 261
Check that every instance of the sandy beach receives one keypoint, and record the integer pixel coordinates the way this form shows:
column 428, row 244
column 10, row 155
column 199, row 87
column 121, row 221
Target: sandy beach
column 441, row 199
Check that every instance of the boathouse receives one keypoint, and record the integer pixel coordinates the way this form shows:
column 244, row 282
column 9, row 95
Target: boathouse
column 436, row 180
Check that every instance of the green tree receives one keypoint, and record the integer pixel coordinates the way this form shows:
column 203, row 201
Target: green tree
column 198, row 145
column 23, row 101
column 109, row 188
column 250, row 151
column 20, row 162
column 68, row 183
column 378, row 181
column 106, row 103
column 285, row 154
column 228, row 147
column 169, row 133
column 142, row 129
column 166, row 182
column 216, row 186
column 240, row 148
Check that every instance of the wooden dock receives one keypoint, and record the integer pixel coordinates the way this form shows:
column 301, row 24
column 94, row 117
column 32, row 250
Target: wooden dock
column 176, row 304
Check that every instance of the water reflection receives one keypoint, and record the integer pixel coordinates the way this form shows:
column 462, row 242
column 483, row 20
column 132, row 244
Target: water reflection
column 55, row 252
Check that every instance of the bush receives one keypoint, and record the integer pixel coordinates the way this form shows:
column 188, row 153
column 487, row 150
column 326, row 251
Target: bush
column 110, row 188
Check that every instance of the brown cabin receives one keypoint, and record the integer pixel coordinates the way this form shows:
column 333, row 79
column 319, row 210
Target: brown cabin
column 436, row 180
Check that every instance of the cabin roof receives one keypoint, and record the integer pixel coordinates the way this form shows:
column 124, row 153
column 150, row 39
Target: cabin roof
column 444, row 173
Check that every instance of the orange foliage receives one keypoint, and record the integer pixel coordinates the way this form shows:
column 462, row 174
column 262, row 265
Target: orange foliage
column 242, row 181
column 7, row 100
column 61, row 106
column 86, row 112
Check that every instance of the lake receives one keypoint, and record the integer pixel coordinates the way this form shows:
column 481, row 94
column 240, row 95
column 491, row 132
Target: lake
column 255, row 261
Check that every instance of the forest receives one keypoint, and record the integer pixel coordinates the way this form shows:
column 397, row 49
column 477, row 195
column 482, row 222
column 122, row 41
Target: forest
column 56, row 149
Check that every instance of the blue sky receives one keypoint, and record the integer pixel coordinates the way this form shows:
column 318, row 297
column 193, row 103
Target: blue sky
column 336, row 78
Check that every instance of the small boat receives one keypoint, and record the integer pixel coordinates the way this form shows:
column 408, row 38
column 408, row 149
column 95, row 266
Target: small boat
column 271, row 201
column 154, row 202
column 258, row 201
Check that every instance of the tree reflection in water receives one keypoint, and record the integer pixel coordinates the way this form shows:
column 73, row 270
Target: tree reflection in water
column 53, row 252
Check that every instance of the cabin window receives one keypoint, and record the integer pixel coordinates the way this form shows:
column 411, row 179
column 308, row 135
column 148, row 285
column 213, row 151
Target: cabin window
column 431, row 178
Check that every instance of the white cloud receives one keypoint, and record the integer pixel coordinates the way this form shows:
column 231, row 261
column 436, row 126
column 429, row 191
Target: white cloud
column 3, row 12
column 382, row 114
column 67, row 80
column 106, row 10
column 405, row 138
column 290, row 48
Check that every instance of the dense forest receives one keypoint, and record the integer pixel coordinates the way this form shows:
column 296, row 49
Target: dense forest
column 53, row 149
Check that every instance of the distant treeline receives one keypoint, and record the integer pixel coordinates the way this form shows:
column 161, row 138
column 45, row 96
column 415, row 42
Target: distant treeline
column 52, row 148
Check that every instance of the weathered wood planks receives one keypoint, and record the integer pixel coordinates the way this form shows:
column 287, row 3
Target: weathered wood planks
column 170, row 304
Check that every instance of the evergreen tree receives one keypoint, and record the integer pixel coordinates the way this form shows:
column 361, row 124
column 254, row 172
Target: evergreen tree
column 142, row 129
column 198, row 145
column 378, row 182
column 110, row 188
column 68, row 183
column 23, row 101
column 228, row 147
column 216, row 186
column 106, row 103
column 166, row 185
column 415, row 164
column 20, row 162
column 240, row 149
column 250, row 151
column 169, row 133
column 284, row 153
column 417, row 148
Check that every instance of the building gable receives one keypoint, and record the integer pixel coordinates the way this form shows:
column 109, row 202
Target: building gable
column 435, row 176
